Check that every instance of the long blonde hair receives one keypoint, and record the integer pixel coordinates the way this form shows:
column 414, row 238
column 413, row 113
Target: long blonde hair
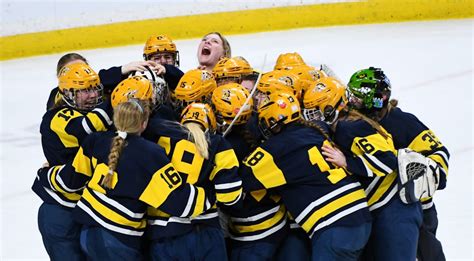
column 129, row 118
column 198, row 137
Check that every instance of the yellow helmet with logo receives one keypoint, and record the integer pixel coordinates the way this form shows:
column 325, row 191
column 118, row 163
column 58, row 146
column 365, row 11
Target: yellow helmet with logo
column 195, row 86
column 277, row 110
column 228, row 100
column 200, row 113
column 279, row 81
column 234, row 67
column 307, row 75
column 136, row 87
column 79, row 77
column 286, row 61
column 324, row 100
column 160, row 44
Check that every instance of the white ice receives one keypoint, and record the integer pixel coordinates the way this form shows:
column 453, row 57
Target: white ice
column 430, row 65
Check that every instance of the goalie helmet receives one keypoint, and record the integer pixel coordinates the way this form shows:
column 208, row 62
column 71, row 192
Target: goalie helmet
column 80, row 86
column 227, row 101
column 200, row 113
column 160, row 87
column 160, row 44
column 195, row 86
column 135, row 87
column 277, row 110
column 369, row 89
column 324, row 100
column 234, row 68
column 286, row 61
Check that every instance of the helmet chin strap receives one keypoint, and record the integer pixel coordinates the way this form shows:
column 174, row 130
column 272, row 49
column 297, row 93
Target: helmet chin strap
column 248, row 98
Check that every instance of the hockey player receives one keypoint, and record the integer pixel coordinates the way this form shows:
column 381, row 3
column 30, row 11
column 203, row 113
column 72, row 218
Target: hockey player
column 211, row 49
column 162, row 50
column 287, row 61
column 124, row 174
column 256, row 227
column 372, row 160
column 62, row 129
column 236, row 70
column 204, row 159
column 325, row 201
column 409, row 132
column 195, row 86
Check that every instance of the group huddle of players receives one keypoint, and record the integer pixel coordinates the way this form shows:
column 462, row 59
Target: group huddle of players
column 223, row 162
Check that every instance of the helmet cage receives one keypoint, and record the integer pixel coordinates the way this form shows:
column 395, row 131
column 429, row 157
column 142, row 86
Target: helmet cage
column 69, row 96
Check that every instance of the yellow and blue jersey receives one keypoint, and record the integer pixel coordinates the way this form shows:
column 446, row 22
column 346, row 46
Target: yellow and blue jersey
column 409, row 132
column 261, row 216
column 315, row 193
column 144, row 177
column 62, row 130
column 218, row 174
column 371, row 157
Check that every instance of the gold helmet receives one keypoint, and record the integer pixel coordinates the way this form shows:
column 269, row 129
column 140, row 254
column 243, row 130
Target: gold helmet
column 200, row 113
column 324, row 100
column 286, row 61
column 160, row 44
column 234, row 68
column 79, row 77
column 195, row 86
column 277, row 110
column 279, row 81
column 228, row 100
column 136, row 87
column 308, row 75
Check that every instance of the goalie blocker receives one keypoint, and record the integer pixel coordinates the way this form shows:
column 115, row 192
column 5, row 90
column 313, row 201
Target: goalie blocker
column 418, row 176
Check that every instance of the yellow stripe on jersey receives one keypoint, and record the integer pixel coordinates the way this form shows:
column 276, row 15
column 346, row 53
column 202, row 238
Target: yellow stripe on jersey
column 316, row 158
column 99, row 172
column 371, row 144
column 263, row 225
column 156, row 212
column 165, row 143
column 69, row 196
column 332, row 207
column 82, row 163
column 96, row 122
column 163, row 182
column 94, row 162
column 440, row 160
column 382, row 189
column 200, row 204
column 224, row 160
column 425, row 141
column 264, row 168
column 258, row 194
column 59, row 123
column 109, row 214
column 228, row 196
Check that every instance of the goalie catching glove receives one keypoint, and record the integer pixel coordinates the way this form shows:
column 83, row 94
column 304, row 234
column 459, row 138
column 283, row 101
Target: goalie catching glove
column 418, row 176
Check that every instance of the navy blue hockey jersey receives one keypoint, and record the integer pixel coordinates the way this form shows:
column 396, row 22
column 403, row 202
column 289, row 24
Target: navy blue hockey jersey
column 315, row 193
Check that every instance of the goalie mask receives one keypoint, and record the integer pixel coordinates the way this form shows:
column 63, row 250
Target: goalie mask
column 324, row 100
column 369, row 89
column 277, row 111
column 195, row 86
column 227, row 101
column 136, row 87
column 161, row 45
column 200, row 113
column 160, row 87
column 80, row 86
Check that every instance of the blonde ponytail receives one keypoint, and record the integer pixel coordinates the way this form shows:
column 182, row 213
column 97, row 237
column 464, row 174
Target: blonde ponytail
column 197, row 135
column 128, row 119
